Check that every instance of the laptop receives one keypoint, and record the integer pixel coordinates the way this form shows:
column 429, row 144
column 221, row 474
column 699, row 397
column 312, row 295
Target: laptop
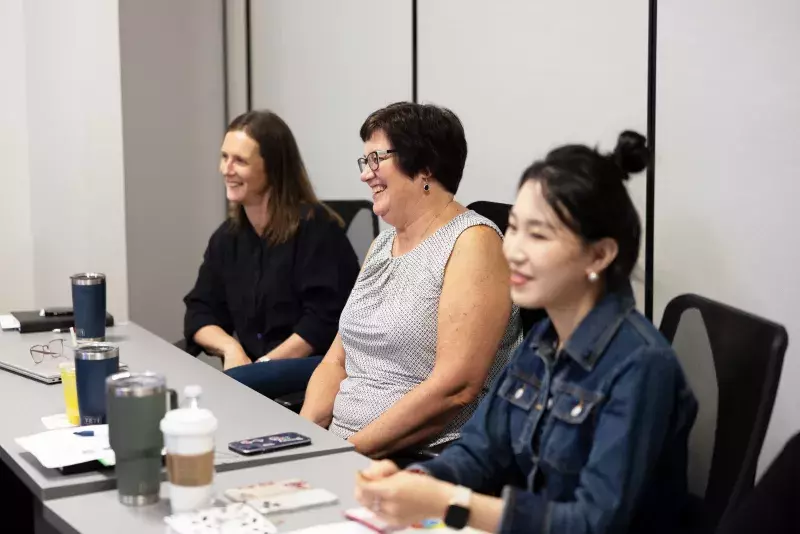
column 21, row 363
column 15, row 357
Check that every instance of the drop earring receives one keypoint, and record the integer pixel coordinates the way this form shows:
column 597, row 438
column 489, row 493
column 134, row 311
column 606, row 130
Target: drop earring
column 593, row 276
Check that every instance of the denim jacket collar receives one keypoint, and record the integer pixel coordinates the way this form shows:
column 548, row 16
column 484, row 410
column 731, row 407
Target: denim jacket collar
column 590, row 338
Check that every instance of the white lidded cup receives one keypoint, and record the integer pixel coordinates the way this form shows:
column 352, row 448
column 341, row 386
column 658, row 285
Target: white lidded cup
column 189, row 443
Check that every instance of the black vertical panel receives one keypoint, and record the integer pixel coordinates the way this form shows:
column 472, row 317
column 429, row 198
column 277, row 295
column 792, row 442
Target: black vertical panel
column 414, row 50
column 225, row 62
column 225, row 77
column 248, row 58
column 651, row 169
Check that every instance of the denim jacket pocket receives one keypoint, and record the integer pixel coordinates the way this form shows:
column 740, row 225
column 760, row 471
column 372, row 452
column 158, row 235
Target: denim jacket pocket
column 520, row 391
column 523, row 395
column 569, row 438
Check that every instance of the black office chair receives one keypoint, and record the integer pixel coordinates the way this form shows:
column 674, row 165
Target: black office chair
column 497, row 212
column 361, row 225
column 733, row 361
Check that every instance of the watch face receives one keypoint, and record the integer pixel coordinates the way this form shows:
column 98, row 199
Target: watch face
column 456, row 517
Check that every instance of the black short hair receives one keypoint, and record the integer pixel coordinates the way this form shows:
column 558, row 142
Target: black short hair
column 586, row 190
column 426, row 137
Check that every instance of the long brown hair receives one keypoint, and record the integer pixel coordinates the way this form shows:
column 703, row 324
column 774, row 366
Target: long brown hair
column 290, row 190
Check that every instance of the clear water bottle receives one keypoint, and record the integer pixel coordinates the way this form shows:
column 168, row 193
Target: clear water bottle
column 191, row 396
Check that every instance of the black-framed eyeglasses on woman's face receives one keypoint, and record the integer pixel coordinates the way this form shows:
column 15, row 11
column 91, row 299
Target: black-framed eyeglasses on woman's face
column 54, row 349
column 373, row 159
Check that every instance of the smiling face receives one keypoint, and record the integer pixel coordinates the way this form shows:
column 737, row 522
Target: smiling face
column 393, row 193
column 549, row 263
column 242, row 167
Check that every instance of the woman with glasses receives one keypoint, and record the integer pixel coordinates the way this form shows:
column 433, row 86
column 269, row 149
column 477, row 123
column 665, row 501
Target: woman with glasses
column 586, row 430
column 277, row 273
column 429, row 322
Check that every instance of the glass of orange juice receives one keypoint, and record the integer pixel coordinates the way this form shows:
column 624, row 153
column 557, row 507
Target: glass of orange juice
column 70, row 392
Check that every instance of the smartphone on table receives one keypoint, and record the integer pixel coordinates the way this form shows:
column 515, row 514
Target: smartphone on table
column 264, row 444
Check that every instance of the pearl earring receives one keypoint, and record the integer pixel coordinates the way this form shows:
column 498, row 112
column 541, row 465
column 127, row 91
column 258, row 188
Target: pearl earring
column 426, row 187
column 593, row 276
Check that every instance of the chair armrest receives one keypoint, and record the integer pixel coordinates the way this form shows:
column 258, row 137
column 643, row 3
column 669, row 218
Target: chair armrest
column 406, row 457
column 293, row 401
column 188, row 348
column 427, row 454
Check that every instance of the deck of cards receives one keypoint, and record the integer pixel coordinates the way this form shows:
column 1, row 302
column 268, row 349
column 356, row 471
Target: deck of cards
column 265, row 490
column 236, row 518
column 292, row 502
column 251, row 503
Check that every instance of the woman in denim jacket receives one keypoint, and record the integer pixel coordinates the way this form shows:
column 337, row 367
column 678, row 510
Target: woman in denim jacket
column 586, row 430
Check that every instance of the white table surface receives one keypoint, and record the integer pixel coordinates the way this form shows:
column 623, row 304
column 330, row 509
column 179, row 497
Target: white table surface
column 242, row 412
column 96, row 512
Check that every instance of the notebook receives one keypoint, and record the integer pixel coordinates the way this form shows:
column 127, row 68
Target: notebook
column 31, row 321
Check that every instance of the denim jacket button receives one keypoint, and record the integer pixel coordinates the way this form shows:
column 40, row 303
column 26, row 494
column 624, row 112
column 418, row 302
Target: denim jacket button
column 519, row 393
column 549, row 404
column 576, row 411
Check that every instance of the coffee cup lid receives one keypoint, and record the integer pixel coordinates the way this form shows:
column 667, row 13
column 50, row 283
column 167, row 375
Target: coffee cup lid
column 188, row 422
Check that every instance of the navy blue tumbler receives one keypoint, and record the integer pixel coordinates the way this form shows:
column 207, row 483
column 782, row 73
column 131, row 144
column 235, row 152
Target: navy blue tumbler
column 94, row 362
column 89, row 306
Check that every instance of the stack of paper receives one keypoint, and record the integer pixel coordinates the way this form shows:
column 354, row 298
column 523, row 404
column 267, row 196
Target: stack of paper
column 70, row 446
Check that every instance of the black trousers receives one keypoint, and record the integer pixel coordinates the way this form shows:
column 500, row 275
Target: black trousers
column 773, row 507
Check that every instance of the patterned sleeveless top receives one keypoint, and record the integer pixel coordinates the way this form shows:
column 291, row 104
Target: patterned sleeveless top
column 389, row 329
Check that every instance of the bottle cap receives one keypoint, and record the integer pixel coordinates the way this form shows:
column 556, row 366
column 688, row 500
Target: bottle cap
column 192, row 391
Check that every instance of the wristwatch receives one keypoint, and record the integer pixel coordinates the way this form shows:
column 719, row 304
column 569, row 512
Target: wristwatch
column 457, row 515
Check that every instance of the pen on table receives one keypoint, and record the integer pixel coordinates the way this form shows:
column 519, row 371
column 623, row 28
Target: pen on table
column 84, row 433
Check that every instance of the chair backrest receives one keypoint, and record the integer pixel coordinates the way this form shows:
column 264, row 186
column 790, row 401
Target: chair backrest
column 497, row 212
column 733, row 361
column 360, row 223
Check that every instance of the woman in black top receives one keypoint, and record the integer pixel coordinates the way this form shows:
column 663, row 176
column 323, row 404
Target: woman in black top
column 277, row 273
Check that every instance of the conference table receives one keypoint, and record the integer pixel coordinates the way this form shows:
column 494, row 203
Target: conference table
column 94, row 512
column 242, row 413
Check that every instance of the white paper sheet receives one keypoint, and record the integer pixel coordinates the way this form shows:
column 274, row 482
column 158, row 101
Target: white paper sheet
column 62, row 447
column 59, row 420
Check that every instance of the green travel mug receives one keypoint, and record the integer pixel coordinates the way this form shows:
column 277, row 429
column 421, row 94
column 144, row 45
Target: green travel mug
column 136, row 404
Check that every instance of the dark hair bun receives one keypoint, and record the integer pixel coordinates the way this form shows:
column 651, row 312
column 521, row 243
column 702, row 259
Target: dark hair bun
column 631, row 152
